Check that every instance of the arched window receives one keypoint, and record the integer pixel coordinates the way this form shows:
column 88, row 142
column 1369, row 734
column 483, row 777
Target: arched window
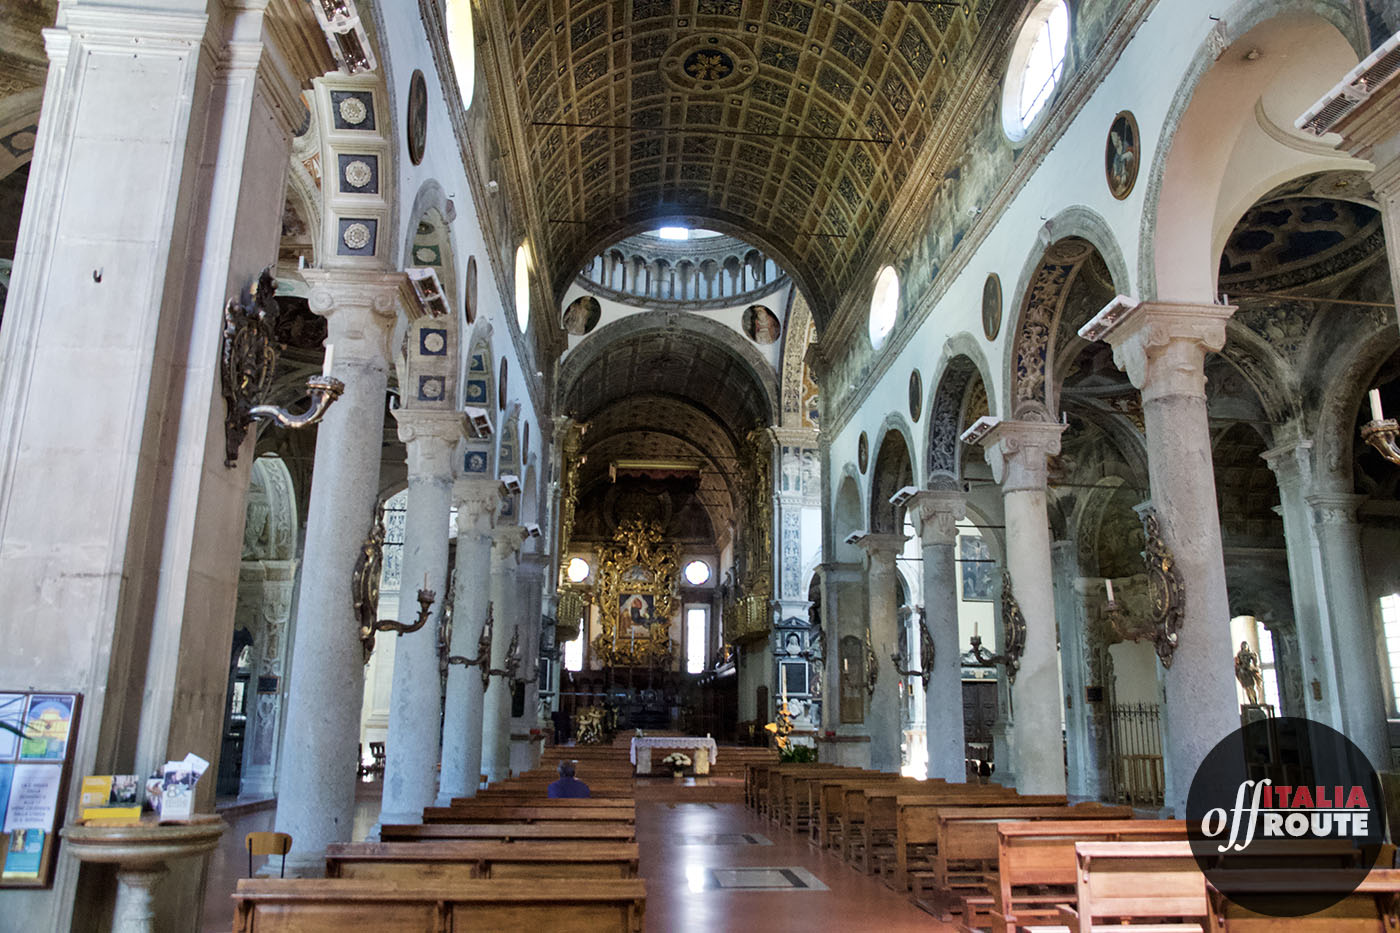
column 462, row 47
column 522, row 287
column 884, row 306
column 1037, row 63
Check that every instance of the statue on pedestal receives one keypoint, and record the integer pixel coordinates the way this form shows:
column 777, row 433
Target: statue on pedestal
column 1249, row 674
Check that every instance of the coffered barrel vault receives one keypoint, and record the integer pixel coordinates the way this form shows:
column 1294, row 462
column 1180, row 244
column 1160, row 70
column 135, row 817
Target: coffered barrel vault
column 797, row 125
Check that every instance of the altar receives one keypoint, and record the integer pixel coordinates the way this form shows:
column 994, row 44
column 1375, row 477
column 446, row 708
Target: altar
column 702, row 750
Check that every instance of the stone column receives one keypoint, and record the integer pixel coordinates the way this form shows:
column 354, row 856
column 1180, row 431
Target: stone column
column 882, row 717
column 1017, row 452
column 1356, row 648
column 1162, row 346
column 936, row 515
column 478, row 502
column 1081, row 733
column 316, row 796
column 530, row 606
column 1292, row 464
column 415, row 705
column 495, row 743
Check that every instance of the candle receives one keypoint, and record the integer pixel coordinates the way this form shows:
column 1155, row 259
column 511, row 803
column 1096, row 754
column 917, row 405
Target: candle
column 845, row 666
column 425, row 581
column 330, row 355
column 1376, row 414
column 782, row 679
column 1109, row 584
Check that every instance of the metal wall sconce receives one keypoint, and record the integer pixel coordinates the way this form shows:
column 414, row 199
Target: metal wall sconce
column 1380, row 432
column 1013, row 628
column 925, row 669
column 872, row 665
column 483, row 650
column 249, row 363
column 512, row 669
column 364, row 590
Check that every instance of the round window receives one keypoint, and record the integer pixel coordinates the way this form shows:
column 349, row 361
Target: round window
column 1037, row 63
column 884, row 305
column 522, row 288
column 462, row 47
column 697, row 573
column 578, row 570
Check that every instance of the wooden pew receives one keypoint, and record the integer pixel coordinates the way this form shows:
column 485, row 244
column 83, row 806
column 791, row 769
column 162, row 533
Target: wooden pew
column 857, row 799
column 782, row 778
column 1036, row 864
column 874, row 841
column 827, row 822
column 542, row 831
column 458, row 861
column 791, row 798
column 1126, row 884
column 1374, row 907
column 336, row 905
column 525, row 796
column 570, row 811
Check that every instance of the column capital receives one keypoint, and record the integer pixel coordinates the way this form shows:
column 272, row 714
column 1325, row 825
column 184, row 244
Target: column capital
column 1291, row 461
column 1016, row 450
column 1161, row 345
column 360, row 307
column 477, row 500
column 936, row 513
column 879, row 545
column 431, row 437
column 506, row 541
column 836, row 572
column 1335, row 508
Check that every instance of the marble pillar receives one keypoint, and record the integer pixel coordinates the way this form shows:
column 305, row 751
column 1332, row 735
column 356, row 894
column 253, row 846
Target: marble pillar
column 495, row 742
column 316, row 796
column 1293, row 466
column 529, row 580
column 1162, row 346
column 882, row 721
column 936, row 515
column 1356, row 647
column 478, row 503
column 1017, row 452
column 415, row 710
column 1082, row 720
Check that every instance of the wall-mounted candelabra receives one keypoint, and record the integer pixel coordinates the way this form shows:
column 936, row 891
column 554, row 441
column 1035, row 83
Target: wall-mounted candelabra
column 925, row 669
column 249, row 363
column 1381, row 432
column 364, row 590
column 483, row 650
column 1013, row 630
column 512, row 669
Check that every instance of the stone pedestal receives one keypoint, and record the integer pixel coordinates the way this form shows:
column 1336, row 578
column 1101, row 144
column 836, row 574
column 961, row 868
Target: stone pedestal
column 316, row 797
column 1017, row 452
column 140, row 853
column 936, row 515
column 882, row 717
column 495, row 743
column 1162, row 346
column 410, row 773
column 478, row 502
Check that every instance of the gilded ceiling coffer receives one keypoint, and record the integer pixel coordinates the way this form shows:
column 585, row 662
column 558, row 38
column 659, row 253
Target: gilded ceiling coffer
column 364, row 590
column 483, row 650
column 249, row 364
column 1013, row 630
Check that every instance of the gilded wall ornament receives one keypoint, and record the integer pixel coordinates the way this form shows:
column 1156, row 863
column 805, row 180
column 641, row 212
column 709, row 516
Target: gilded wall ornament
column 1165, row 588
column 638, row 593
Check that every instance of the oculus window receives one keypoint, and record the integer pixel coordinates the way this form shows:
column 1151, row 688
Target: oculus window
column 697, row 573
column 884, row 306
column 462, row 47
column 578, row 570
column 1037, row 63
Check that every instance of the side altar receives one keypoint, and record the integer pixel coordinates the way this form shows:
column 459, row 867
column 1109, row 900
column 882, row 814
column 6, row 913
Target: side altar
column 702, row 750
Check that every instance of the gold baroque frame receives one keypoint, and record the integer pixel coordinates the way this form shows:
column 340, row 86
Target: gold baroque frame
column 637, row 564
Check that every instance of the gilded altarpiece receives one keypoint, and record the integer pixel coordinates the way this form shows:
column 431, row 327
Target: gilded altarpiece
column 638, row 595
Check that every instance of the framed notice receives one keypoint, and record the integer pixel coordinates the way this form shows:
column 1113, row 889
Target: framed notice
column 37, row 733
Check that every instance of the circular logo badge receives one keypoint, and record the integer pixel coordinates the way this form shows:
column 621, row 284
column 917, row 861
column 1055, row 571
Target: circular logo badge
column 1285, row 817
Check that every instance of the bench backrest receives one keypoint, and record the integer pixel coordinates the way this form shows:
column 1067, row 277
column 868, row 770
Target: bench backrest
column 970, row 833
column 916, row 815
column 541, row 830
column 428, row 861
column 1371, row 908
column 1141, row 881
column 579, row 811
column 1042, row 852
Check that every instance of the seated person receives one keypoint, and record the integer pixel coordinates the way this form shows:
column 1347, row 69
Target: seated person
column 568, row 785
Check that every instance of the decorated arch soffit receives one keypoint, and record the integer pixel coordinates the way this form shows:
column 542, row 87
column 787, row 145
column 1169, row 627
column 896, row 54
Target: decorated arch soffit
column 793, row 123
column 948, row 411
column 800, row 399
column 892, row 469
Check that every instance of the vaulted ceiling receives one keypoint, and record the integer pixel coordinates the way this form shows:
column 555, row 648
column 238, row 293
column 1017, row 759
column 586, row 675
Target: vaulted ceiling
column 795, row 124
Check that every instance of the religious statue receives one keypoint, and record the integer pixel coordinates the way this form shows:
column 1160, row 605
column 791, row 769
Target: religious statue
column 1249, row 674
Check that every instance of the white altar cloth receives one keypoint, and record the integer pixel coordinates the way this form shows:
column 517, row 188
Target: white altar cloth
column 705, row 748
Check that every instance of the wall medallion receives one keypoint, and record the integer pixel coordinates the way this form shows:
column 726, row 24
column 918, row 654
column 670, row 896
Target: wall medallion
column 916, row 395
column 991, row 306
column 863, row 452
column 470, row 303
column 761, row 325
column 582, row 315
column 1121, row 158
column 505, row 383
column 417, row 117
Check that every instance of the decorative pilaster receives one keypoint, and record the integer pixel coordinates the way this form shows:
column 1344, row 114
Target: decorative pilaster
column 478, row 502
column 1356, row 646
column 1162, row 346
column 882, row 719
column 410, row 773
column 316, row 805
column 1017, row 452
column 495, row 743
column 936, row 515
